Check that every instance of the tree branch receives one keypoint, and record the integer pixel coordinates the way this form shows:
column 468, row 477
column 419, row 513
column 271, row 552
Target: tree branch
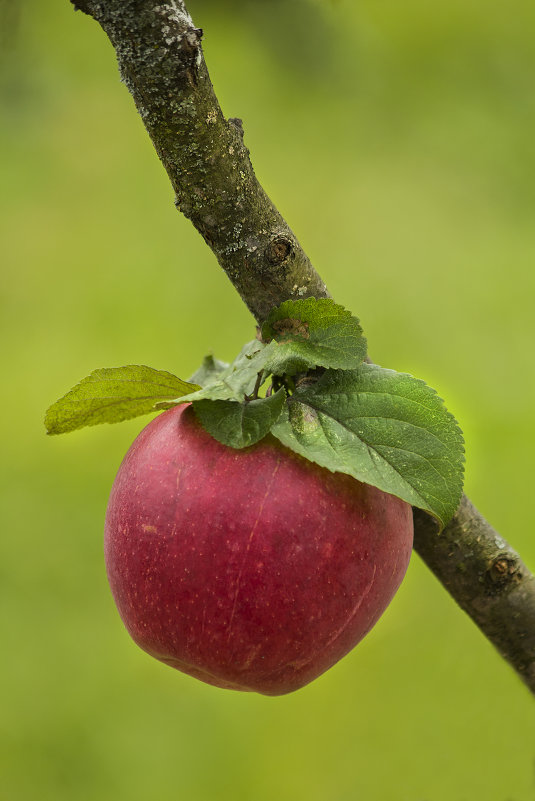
column 488, row 580
column 161, row 61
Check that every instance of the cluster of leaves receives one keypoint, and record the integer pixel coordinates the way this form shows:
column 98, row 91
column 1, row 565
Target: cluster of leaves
column 305, row 381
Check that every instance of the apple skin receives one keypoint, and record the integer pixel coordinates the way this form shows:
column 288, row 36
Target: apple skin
column 249, row 569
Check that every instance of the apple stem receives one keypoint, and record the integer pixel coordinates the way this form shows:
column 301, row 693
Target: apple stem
column 258, row 384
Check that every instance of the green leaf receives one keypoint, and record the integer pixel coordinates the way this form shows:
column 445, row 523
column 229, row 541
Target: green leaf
column 112, row 394
column 235, row 381
column 308, row 333
column 208, row 371
column 240, row 424
column 384, row 428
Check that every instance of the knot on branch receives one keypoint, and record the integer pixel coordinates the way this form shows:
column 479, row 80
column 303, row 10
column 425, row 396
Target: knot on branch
column 279, row 251
column 80, row 6
column 503, row 572
column 192, row 39
column 237, row 124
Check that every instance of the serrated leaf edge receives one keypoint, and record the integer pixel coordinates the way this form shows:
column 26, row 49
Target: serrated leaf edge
column 423, row 504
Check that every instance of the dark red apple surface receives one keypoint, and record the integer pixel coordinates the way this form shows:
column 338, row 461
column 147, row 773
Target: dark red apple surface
column 249, row 569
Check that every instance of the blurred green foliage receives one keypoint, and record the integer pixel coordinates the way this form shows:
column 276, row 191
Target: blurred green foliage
column 398, row 140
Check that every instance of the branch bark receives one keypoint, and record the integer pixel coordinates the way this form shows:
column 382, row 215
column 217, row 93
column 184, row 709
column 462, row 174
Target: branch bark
column 488, row 580
column 161, row 61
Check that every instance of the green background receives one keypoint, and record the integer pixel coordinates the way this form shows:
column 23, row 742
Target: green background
column 398, row 140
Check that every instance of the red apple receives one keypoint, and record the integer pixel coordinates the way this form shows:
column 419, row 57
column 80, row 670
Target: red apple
column 249, row 569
